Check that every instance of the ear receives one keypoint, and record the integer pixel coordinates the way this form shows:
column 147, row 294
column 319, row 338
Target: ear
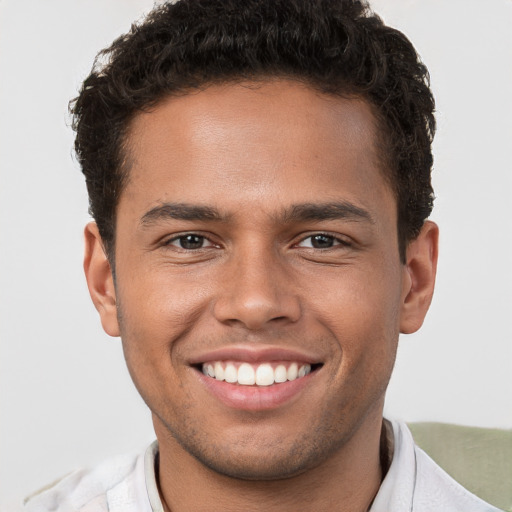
column 419, row 278
column 100, row 280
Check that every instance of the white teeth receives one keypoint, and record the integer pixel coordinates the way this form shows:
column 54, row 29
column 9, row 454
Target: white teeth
column 246, row 375
column 280, row 374
column 230, row 373
column 264, row 375
column 219, row 371
column 261, row 375
column 292, row 372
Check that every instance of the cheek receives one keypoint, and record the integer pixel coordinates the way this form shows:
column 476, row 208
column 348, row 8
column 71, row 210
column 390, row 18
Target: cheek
column 155, row 313
column 159, row 301
column 361, row 299
column 155, row 316
column 362, row 310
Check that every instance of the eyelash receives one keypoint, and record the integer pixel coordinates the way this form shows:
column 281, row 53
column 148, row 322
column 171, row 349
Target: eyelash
column 186, row 235
column 336, row 241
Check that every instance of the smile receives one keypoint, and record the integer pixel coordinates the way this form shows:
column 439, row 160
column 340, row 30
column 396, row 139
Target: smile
column 263, row 374
column 256, row 378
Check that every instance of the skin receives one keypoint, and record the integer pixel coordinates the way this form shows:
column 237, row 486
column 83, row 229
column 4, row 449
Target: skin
column 260, row 279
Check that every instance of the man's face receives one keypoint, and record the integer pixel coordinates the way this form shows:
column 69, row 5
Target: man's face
column 256, row 230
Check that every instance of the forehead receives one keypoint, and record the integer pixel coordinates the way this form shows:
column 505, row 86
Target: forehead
column 249, row 141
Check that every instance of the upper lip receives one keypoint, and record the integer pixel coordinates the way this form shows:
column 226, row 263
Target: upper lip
column 254, row 355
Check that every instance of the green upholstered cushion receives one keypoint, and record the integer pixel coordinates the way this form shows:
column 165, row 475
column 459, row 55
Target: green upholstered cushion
column 478, row 458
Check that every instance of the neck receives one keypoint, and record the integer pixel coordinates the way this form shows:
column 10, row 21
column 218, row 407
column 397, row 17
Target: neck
column 349, row 479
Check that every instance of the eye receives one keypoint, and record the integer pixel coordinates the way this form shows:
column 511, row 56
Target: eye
column 321, row 241
column 190, row 242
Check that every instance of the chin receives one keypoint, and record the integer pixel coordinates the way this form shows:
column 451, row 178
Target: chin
column 264, row 457
column 261, row 468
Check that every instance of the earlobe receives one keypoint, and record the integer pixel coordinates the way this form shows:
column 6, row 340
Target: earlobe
column 419, row 279
column 100, row 280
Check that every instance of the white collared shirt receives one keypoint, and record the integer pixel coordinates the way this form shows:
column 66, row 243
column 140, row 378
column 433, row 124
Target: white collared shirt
column 414, row 483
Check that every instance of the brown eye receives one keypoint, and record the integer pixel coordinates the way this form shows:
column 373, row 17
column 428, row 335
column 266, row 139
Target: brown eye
column 322, row 241
column 189, row 242
column 319, row 241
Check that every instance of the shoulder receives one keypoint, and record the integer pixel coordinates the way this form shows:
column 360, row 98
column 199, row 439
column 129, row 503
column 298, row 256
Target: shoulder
column 414, row 482
column 436, row 490
column 92, row 490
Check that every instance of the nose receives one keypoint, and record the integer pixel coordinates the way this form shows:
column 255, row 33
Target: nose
column 257, row 292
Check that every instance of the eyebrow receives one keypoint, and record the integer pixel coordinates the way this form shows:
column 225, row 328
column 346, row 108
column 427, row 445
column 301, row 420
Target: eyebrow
column 181, row 211
column 327, row 211
column 296, row 213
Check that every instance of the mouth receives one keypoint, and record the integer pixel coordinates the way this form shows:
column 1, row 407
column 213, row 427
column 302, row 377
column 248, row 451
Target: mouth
column 256, row 379
column 262, row 374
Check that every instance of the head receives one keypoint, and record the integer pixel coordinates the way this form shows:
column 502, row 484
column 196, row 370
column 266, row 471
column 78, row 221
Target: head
column 339, row 48
column 259, row 173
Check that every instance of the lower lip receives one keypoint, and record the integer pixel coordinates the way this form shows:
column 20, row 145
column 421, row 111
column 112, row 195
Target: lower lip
column 255, row 398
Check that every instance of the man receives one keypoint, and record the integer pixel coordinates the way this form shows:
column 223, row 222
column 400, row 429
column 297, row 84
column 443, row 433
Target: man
column 259, row 176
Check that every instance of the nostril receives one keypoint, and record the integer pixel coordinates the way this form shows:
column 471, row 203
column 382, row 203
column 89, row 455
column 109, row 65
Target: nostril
column 256, row 304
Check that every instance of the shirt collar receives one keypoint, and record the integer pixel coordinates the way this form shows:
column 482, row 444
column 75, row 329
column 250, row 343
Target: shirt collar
column 397, row 489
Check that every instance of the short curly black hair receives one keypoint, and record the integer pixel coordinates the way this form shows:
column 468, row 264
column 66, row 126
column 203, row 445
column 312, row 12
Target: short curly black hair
column 339, row 47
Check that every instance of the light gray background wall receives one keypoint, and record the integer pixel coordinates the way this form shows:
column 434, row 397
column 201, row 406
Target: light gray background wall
column 66, row 399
